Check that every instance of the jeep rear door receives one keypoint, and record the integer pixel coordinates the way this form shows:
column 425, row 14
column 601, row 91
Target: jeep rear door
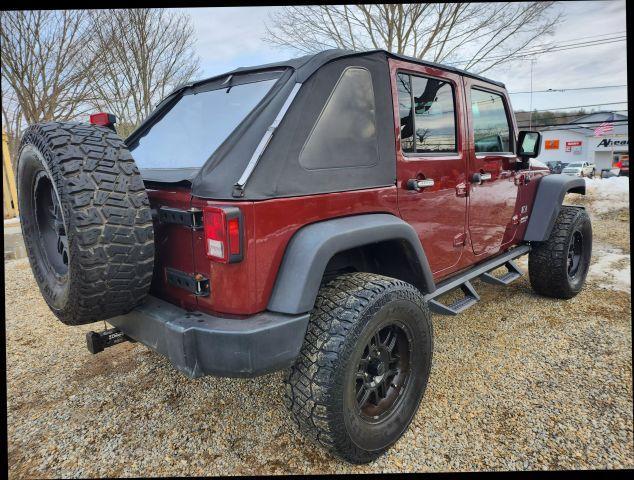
column 491, row 167
column 430, row 128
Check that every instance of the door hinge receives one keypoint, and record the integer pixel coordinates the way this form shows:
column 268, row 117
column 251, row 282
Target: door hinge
column 197, row 284
column 192, row 218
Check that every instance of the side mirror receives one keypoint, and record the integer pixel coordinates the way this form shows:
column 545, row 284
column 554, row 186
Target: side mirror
column 528, row 144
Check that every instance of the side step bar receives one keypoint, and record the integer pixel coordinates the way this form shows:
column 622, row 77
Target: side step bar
column 513, row 274
column 482, row 270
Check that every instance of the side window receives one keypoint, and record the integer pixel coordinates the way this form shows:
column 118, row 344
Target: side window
column 426, row 109
column 491, row 130
column 405, row 112
column 344, row 135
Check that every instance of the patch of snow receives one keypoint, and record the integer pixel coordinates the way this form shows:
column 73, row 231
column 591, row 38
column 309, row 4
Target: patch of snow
column 611, row 268
column 608, row 194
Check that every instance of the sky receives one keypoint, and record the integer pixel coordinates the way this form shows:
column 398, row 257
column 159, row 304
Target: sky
column 233, row 37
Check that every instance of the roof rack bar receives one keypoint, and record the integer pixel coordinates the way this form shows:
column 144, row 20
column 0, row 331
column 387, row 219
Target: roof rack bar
column 238, row 188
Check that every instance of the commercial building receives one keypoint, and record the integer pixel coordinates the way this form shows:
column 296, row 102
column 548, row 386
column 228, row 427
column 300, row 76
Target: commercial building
column 580, row 141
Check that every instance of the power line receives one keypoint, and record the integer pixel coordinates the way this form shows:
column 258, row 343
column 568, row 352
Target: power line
column 556, row 48
column 580, row 41
column 551, row 90
column 594, row 36
column 578, row 106
column 563, row 48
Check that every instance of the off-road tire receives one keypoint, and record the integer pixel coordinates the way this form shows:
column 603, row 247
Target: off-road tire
column 548, row 262
column 99, row 212
column 346, row 311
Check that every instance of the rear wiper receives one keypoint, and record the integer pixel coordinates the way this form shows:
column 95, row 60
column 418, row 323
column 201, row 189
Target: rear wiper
column 228, row 80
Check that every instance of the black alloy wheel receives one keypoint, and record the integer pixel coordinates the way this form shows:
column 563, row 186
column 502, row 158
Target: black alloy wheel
column 383, row 371
column 50, row 225
column 575, row 251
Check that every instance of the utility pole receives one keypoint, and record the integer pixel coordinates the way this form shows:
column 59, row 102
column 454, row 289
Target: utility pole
column 530, row 115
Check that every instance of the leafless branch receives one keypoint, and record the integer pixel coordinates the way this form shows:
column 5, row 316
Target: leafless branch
column 478, row 36
column 144, row 54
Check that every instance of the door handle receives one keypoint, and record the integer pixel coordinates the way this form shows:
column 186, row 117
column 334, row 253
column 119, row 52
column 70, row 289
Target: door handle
column 480, row 177
column 418, row 185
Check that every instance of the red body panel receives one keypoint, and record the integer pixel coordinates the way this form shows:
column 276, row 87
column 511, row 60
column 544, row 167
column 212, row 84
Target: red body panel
column 244, row 288
column 173, row 247
column 278, row 220
column 459, row 224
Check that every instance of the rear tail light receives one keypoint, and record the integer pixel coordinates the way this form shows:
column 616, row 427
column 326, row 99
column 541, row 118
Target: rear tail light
column 223, row 233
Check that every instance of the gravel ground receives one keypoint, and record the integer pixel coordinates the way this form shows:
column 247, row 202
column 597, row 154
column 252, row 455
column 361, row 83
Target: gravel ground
column 518, row 382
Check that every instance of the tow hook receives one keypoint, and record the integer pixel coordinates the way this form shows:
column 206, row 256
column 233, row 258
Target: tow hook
column 98, row 341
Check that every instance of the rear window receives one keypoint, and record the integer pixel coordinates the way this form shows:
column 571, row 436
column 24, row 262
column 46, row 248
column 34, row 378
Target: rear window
column 195, row 126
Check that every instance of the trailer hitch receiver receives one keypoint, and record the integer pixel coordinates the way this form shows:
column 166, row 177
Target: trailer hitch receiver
column 98, row 341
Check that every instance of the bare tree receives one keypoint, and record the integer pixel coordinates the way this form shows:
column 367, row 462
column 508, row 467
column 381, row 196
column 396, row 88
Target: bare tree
column 45, row 68
column 12, row 122
column 145, row 53
column 474, row 36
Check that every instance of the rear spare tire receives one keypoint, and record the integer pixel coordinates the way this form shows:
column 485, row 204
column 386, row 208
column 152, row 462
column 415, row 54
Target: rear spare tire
column 85, row 219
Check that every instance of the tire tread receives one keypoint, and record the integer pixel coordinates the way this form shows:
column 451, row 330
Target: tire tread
column 107, row 213
column 310, row 391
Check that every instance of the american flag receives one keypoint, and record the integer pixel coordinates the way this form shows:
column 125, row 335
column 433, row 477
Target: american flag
column 604, row 128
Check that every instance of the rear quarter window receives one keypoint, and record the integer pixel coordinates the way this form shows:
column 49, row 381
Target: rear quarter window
column 344, row 134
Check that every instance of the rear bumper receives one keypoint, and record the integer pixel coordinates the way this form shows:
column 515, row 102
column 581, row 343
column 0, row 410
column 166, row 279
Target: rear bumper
column 199, row 344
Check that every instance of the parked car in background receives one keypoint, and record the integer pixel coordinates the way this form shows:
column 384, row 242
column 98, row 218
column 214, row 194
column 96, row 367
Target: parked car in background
column 555, row 166
column 624, row 166
column 580, row 169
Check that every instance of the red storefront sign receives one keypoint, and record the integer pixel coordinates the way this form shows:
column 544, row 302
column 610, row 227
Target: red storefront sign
column 575, row 143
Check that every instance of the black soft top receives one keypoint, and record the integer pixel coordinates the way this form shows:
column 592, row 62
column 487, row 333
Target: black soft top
column 308, row 64
column 278, row 172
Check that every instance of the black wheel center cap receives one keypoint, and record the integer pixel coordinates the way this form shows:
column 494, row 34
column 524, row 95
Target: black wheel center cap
column 376, row 367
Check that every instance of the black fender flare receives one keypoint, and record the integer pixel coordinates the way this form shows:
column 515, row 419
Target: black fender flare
column 548, row 198
column 311, row 248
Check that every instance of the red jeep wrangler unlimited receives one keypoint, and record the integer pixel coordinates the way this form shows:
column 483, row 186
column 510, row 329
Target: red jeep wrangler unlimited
column 303, row 215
